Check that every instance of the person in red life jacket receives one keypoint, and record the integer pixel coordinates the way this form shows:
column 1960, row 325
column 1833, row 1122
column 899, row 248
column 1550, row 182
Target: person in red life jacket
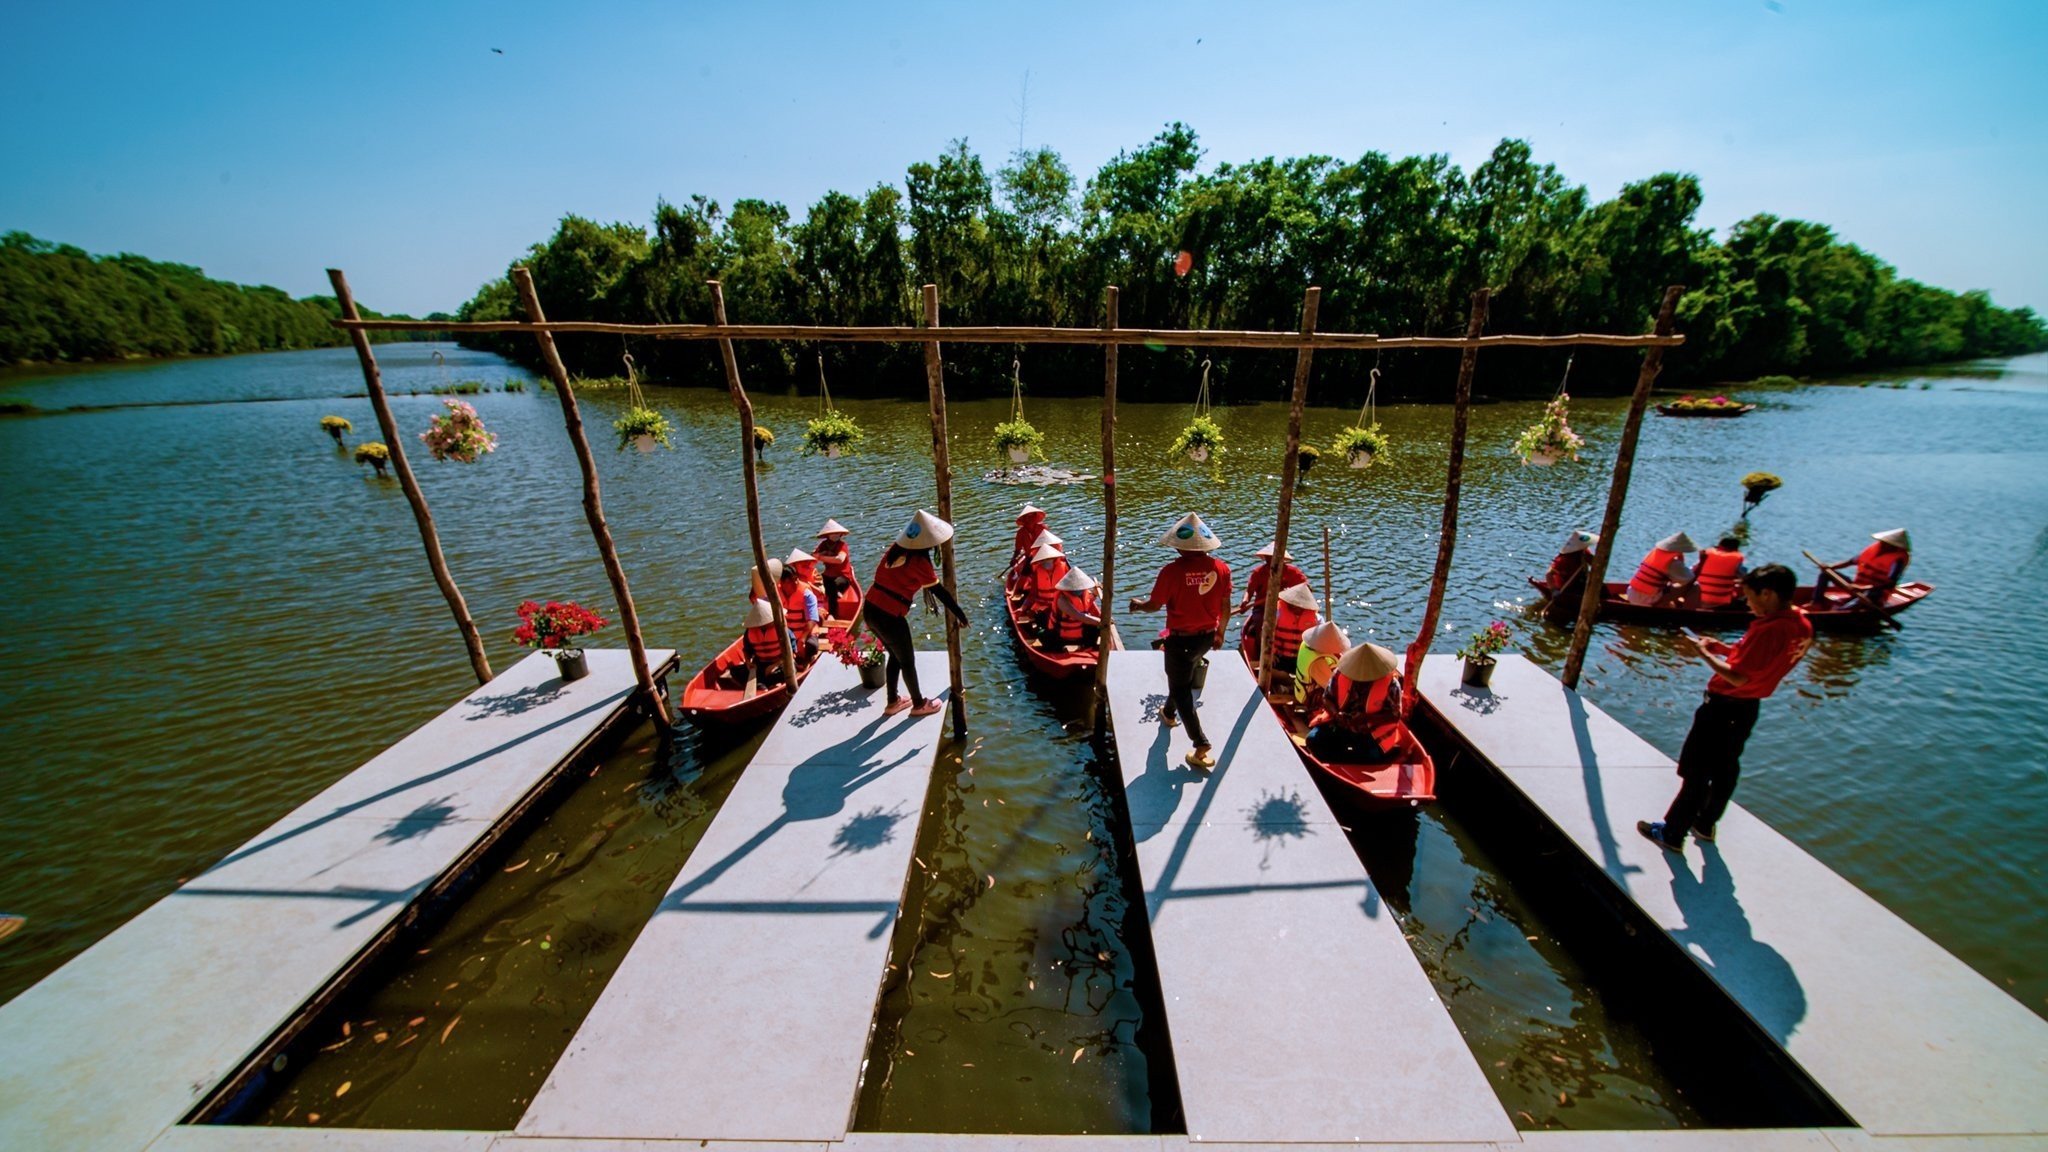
column 1360, row 720
column 1570, row 560
column 1718, row 574
column 1879, row 568
column 1076, row 613
column 1042, row 585
column 1297, row 615
column 1030, row 522
column 1744, row 675
column 904, row 571
column 762, row 644
column 1019, row 578
column 1663, row 576
column 1195, row 591
column 799, row 604
column 835, row 563
column 1254, row 601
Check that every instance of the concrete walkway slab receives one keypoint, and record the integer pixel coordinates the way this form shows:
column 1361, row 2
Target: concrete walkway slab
column 115, row 1047
column 1296, row 1009
column 1905, row 1037
column 231, row 1138
column 1529, row 719
column 743, row 1010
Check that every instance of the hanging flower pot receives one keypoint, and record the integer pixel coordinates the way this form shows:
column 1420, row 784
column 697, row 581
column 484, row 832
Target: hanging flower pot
column 1201, row 438
column 643, row 428
column 764, row 439
column 334, row 426
column 1018, row 440
column 832, row 434
column 1360, row 446
column 1551, row 438
column 375, row 454
column 1305, row 458
column 458, row 434
column 1755, row 487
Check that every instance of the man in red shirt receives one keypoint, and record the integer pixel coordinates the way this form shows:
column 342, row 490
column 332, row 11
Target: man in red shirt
column 1195, row 591
column 1744, row 675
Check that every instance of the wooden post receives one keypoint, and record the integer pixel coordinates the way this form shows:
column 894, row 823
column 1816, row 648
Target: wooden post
column 1289, row 466
column 1106, row 593
column 1329, row 613
column 942, row 465
column 1454, row 480
column 766, row 580
column 431, row 539
column 593, row 503
column 1617, row 492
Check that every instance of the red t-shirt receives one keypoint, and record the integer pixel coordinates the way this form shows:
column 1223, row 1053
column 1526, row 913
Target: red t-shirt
column 1255, row 584
column 1765, row 653
column 1196, row 591
column 893, row 588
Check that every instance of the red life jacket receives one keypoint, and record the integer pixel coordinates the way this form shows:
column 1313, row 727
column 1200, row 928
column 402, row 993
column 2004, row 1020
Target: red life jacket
column 1717, row 576
column 836, row 558
column 763, row 645
column 894, row 586
column 1379, row 716
column 1563, row 567
column 1881, row 564
column 1071, row 629
column 1654, row 576
column 1287, row 630
column 1045, row 586
column 793, row 611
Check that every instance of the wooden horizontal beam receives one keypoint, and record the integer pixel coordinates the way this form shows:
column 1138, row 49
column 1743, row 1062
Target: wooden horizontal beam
column 995, row 334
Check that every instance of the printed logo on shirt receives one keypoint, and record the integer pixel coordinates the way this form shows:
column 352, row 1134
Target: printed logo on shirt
column 1203, row 584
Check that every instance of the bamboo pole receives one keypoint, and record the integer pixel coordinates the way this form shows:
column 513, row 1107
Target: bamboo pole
column 1021, row 334
column 373, row 378
column 942, row 465
column 1106, row 593
column 593, row 502
column 1447, row 540
column 1617, row 492
column 1329, row 612
column 770, row 593
column 1290, row 466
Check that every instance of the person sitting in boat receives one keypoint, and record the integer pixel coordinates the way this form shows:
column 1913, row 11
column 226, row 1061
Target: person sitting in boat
column 1020, row 577
column 1041, row 590
column 1360, row 720
column 763, row 644
column 799, row 607
column 1718, row 573
column 904, row 570
column 1879, row 567
column 835, row 561
column 1297, row 615
column 1030, row 522
column 1321, row 646
column 1663, row 576
column 1570, row 560
column 1076, row 612
column 1254, row 601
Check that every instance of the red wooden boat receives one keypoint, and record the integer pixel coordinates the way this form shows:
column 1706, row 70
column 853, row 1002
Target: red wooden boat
column 1406, row 779
column 1722, row 410
column 710, row 698
column 1563, row 609
column 1057, row 663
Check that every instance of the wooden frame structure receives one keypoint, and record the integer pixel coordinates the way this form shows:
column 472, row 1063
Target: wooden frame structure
column 1306, row 340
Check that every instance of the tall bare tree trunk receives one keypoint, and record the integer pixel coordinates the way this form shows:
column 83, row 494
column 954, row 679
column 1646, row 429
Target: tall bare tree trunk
column 1290, row 467
column 942, row 464
column 746, row 409
column 1454, row 481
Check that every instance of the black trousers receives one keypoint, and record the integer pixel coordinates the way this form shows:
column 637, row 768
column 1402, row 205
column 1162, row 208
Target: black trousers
column 894, row 633
column 1183, row 653
column 1710, row 762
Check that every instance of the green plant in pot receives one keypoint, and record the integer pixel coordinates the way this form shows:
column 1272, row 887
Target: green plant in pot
column 1479, row 652
column 1202, row 438
column 1018, row 440
column 1551, row 438
column 1360, row 446
column 831, row 434
column 375, row 454
column 643, row 428
column 335, row 426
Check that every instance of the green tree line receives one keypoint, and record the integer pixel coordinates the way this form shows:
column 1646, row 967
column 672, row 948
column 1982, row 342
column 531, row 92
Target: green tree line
column 1398, row 246
column 58, row 302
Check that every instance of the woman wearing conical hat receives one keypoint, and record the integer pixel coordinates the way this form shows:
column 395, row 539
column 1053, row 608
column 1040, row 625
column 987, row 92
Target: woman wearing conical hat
column 799, row 603
column 1254, row 600
column 905, row 570
column 1321, row 646
column 1030, row 522
column 1879, row 568
column 1663, row 576
column 1076, row 612
column 1042, row 584
column 1195, row 591
column 763, row 643
column 1019, row 577
column 1568, row 563
column 835, row 563
column 1360, row 721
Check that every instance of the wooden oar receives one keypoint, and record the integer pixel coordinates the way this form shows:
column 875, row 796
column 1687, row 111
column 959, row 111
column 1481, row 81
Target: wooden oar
column 1828, row 572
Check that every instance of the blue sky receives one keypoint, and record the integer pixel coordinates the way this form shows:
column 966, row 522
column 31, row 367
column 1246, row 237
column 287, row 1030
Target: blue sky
column 264, row 142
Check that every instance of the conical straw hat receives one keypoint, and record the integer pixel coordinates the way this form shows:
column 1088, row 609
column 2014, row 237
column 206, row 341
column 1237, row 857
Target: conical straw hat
column 1044, row 538
column 799, row 556
column 1367, row 662
column 1896, row 537
column 1678, row 542
column 1266, row 553
column 1030, row 510
column 1075, row 581
column 1299, row 596
column 1578, row 540
column 1189, row 534
column 832, row 528
column 924, row 531
column 1326, row 638
column 1047, row 553
column 760, row 613
column 774, row 569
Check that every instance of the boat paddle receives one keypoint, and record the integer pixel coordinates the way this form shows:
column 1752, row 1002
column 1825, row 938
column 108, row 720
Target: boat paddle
column 1829, row 572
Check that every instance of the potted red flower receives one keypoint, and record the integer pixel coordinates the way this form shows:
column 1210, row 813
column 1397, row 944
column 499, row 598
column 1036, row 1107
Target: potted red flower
column 863, row 653
column 553, row 628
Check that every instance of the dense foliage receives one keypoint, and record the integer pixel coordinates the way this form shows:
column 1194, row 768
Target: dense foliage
column 1398, row 245
column 59, row 303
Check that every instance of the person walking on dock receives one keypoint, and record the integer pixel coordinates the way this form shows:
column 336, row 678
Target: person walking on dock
column 905, row 570
column 1195, row 591
column 1744, row 675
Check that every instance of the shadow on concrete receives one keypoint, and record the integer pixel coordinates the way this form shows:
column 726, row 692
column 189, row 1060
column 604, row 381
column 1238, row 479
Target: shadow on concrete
column 516, row 703
column 1717, row 935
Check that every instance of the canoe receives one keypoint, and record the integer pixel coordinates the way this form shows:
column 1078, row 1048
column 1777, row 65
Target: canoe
column 708, row 699
column 1056, row 664
column 1563, row 609
column 1408, row 778
column 1722, row 410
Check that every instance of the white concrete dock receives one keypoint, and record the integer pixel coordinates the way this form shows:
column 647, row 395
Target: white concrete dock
column 1296, row 1009
column 744, row 1009
column 115, row 1047
column 1907, row 1039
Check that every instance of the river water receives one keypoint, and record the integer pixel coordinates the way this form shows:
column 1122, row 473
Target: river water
column 215, row 614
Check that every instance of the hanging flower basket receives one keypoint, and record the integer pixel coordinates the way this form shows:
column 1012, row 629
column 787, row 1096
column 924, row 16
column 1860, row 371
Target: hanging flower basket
column 1202, row 438
column 1755, row 487
column 643, row 428
column 1551, row 438
column 336, row 425
column 832, row 434
column 375, row 454
column 1305, row 457
column 1360, row 446
column 553, row 628
column 1018, row 440
column 458, row 434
